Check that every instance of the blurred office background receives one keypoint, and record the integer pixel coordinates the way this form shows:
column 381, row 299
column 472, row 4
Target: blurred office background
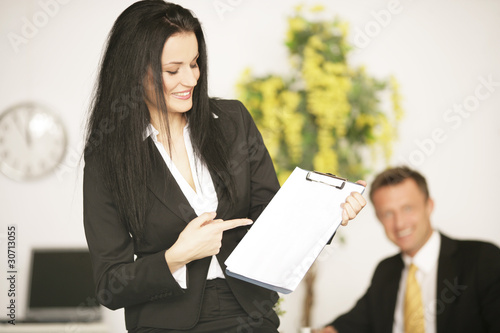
column 445, row 55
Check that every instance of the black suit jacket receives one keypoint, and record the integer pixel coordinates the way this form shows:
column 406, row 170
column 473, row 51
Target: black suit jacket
column 468, row 292
column 144, row 286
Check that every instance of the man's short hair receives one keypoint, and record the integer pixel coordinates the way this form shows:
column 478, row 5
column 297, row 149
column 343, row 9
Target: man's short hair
column 397, row 175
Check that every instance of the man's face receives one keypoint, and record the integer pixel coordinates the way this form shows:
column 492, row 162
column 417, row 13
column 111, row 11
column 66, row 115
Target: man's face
column 405, row 214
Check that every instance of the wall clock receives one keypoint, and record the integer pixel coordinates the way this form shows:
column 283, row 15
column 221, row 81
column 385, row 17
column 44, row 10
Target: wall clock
column 33, row 141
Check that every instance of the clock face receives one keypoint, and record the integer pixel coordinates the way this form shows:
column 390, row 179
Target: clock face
column 32, row 141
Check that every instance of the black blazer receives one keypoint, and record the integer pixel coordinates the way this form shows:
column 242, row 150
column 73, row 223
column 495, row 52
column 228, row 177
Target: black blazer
column 144, row 286
column 468, row 292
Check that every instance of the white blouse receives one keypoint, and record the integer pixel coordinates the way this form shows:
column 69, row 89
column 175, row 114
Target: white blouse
column 203, row 200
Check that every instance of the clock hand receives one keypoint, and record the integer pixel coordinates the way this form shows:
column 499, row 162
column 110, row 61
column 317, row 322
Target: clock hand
column 22, row 124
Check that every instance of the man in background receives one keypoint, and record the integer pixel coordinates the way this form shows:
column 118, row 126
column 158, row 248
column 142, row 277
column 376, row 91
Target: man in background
column 436, row 284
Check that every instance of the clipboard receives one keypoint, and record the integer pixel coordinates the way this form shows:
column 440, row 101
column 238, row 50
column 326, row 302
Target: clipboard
column 291, row 232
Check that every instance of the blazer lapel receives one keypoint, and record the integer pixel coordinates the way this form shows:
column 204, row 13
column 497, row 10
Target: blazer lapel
column 447, row 273
column 223, row 205
column 166, row 189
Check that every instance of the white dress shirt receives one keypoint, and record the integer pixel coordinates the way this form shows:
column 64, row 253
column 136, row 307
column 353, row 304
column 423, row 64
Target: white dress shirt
column 203, row 200
column 426, row 261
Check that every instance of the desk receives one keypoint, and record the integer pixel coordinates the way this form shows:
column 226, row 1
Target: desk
column 54, row 328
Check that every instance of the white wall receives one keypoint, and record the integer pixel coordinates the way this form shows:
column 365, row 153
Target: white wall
column 438, row 50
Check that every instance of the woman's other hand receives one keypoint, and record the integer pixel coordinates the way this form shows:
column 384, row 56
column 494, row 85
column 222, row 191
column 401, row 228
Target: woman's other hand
column 353, row 205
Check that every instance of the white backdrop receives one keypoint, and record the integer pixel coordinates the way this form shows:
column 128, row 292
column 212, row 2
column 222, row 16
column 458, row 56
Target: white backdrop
column 445, row 54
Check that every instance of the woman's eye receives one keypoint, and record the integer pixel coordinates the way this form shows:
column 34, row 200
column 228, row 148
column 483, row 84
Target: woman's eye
column 172, row 72
column 194, row 65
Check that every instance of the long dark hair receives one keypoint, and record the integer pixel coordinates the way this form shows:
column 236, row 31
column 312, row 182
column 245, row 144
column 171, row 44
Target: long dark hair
column 119, row 115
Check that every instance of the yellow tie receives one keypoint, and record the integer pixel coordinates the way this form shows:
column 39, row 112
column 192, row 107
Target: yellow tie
column 413, row 308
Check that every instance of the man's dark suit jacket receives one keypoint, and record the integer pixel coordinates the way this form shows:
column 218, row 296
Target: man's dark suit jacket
column 468, row 292
column 145, row 287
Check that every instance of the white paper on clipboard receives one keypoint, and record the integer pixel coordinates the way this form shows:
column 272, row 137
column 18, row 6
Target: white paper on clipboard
column 291, row 232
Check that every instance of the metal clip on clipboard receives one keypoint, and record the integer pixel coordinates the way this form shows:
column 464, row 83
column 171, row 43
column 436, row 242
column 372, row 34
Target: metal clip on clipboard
column 326, row 178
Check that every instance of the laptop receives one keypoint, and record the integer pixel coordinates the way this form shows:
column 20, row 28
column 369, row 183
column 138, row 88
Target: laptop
column 61, row 287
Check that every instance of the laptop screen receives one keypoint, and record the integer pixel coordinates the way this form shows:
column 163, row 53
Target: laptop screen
column 62, row 286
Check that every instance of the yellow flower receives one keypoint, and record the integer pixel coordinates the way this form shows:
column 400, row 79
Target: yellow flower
column 292, row 124
column 344, row 28
column 297, row 23
column 316, row 43
column 396, row 98
column 365, row 120
column 317, row 9
column 311, row 109
column 299, row 8
column 326, row 161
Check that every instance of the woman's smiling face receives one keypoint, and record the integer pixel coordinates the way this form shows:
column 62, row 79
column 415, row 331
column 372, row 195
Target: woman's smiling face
column 180, row 73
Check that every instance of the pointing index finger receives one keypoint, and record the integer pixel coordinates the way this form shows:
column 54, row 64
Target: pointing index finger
column 231, row 224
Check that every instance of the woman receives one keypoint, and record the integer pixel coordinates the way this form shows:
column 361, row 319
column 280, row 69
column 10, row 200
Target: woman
column 162, row 161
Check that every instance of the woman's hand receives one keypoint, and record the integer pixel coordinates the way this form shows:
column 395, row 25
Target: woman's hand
column 201, row 238
column 353, row 205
